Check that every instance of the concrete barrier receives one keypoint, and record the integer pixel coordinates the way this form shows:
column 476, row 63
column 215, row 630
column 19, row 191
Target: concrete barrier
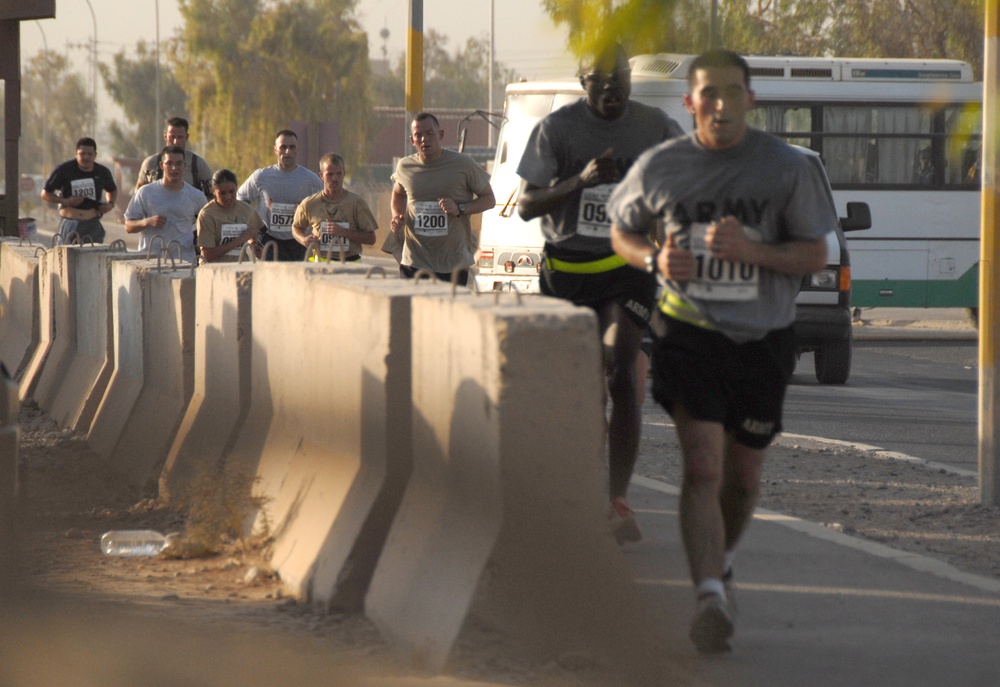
column 328, row 432
column 80, row 364
column 19, row 326
column 221, row 396
column 59, row 271
column 9, row 408
column 504, row 517
column 152, row 383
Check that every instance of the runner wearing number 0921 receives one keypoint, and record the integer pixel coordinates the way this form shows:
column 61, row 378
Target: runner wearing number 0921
column 574, row 158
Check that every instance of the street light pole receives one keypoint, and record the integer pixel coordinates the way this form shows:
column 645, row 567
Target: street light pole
column 45, row 115
column 489, row 67
column 156, row 121
column 93, row 66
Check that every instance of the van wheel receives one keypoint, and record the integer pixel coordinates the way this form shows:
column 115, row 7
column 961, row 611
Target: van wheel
column 833, row 362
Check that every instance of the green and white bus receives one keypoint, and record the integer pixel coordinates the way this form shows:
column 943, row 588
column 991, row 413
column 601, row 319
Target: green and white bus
column 903, row 136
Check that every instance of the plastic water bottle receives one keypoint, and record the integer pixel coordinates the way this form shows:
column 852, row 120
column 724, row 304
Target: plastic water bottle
column 133, row 542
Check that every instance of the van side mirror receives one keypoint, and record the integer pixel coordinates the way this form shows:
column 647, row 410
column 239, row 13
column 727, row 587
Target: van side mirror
column 859, row 216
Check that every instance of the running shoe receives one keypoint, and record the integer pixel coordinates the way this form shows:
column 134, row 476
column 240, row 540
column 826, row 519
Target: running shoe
column 712, row 625
column 623, row 523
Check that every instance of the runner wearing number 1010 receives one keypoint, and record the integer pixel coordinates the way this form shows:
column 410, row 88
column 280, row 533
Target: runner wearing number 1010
column 276, row 191
column 745, row 217
column 573, row 159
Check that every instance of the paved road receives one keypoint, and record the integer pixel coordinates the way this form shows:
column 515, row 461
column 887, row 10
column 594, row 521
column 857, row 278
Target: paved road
column 914, row 397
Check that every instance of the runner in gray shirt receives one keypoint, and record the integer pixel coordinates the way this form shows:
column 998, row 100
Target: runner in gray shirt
column 745, row 217
column 167, row 208
column 573, row 159
column 276, row 191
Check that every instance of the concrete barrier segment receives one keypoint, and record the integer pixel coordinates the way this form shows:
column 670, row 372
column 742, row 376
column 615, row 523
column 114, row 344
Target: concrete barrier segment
column 222, row 384
column 331, row 378
column 19, row 325
column 9, row 408
column 32, row 371
column 60, row 269
column 503, row 523
column 87, row 361
column 245, row 455
column 154, row 369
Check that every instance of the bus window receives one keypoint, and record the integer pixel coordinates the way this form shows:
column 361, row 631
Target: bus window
column 784, row 121
column 848, row 157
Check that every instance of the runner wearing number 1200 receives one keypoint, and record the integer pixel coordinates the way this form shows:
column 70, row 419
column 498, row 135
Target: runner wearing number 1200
column 433, row 195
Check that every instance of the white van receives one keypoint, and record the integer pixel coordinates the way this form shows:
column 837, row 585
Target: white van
column 510, row 249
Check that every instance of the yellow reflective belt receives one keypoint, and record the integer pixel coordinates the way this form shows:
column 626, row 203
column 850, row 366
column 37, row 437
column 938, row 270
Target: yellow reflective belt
column 612, row 262
column 673, row 306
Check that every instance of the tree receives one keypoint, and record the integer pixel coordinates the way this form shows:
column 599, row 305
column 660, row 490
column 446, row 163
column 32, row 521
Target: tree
column 55, row 111
column 253, row 67
column 456, row 81
column 847, row 28
column 128, row 82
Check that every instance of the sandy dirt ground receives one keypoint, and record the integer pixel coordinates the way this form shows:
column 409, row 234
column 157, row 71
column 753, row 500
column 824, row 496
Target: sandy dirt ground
column 79, row 617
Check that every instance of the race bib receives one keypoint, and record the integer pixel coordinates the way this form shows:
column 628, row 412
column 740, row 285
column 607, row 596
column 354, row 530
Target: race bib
column 280, row 216
column 593, row 219
column 230, row 232
column 429, row 219
column 83, row 188
column 717, row 279
column 328, row 240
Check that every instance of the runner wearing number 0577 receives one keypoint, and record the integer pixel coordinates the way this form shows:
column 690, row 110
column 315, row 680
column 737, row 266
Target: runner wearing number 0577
column 573, row 159
column 434, row 193
column 276, row 191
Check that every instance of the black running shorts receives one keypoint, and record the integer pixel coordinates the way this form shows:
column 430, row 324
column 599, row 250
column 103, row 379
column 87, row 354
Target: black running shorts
column 633, row 290
column 741, row 386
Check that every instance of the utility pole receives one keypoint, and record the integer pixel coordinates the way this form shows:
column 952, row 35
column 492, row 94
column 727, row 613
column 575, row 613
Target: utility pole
column 414, row 67
column 156, row 120
column 93, row 71
column 989, row 271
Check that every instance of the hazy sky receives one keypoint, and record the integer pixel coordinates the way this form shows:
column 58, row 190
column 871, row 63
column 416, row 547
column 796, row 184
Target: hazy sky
column 525, row 38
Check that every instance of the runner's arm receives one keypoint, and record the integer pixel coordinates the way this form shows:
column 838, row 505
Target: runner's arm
column 676, row 264
column 397, row 204
column 535, row 201
column 727, row 240
column 483, row 201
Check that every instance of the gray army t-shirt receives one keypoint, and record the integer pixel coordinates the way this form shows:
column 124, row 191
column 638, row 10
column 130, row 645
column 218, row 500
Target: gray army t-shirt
column 275, row 194
column 562, row 144
column 768, row 185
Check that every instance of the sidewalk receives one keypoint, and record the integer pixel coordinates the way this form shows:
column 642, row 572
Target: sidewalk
column 821, row 608
column 913, row 324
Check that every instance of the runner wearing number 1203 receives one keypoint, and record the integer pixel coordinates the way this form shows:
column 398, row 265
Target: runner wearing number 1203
column 574, row 158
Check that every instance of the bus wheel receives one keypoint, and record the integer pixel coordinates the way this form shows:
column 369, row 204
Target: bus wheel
column 833, row 362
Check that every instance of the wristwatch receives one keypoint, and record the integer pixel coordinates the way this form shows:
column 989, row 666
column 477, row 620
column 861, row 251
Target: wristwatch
column 650, row 261
column 461, row 209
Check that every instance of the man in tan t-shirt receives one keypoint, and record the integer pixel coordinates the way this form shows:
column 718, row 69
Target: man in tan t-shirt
column 434, row 192
column 339, row 221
